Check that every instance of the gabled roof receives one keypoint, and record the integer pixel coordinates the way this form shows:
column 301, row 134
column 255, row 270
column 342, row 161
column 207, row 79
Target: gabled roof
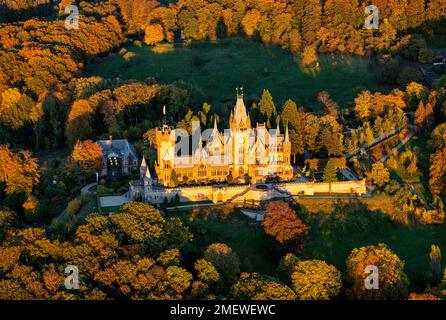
column 120, row 147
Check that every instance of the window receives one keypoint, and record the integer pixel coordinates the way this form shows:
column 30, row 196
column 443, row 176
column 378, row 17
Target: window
column 241, row 153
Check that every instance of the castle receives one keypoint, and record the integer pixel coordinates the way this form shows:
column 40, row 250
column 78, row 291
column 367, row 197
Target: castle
column 239, row 154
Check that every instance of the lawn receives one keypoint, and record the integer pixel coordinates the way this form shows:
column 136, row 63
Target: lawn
column 334, row 233
column 229, row 226
column 335, row 230
column 216, row 69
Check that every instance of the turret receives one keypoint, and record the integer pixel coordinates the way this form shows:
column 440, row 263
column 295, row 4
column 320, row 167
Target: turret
column 147, row 178
column 142, row 168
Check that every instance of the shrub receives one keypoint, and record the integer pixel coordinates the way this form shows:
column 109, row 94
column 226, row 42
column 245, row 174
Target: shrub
column 74, row 206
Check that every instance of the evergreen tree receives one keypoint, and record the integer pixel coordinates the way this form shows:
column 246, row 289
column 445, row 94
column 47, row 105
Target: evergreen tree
column 330, row 172
column 267, row 106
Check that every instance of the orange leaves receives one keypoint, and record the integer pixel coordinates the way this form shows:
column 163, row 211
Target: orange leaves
column 9, row 256
column 52, row 279
column 88, row 154
column 282, row 223
column 153, row 34
column 19, row 171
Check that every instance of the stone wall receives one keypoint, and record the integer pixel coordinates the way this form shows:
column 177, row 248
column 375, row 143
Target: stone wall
column 245, row 193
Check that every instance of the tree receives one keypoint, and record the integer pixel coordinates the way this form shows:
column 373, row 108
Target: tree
column 311, row 20
column 254, row 286
column 154, row 33
column 173, row 182
column 282, row 223
column 330, row 171
column 379, row 174
column 88, row 155
column 309, row 57
column 266, row 105
column 437, row 171
column 18, row 170
column 295, row 44
column 316, row 280
column 206, row 271
column 435, row 262
column 225, row 261
column 250, row 21
column 422, row 296
column 290, row 114
column 78, row 126
column 393, row 281
column 363, row 104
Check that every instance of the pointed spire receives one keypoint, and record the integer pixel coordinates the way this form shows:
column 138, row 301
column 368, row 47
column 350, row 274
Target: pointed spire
column 143, row 162
column 215, row 123
column 142, row 168
column 287, row 135
column 240, row 113
column 278, row 126
column 148, row 175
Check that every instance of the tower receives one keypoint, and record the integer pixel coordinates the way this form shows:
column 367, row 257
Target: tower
column 165, row 145
column 240, row 118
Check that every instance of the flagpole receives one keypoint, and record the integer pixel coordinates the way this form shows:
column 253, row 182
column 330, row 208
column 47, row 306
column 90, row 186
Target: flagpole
column 164, row 112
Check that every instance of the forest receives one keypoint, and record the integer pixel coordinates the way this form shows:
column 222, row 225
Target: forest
column 51, row 112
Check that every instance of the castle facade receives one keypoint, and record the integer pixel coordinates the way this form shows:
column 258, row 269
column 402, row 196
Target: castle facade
column 241, row 153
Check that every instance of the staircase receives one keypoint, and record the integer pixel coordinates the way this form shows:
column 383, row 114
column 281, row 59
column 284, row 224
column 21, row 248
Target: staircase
column 245, row 191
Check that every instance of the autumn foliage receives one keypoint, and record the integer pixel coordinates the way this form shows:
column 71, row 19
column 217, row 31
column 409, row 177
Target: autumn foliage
column 282, row 223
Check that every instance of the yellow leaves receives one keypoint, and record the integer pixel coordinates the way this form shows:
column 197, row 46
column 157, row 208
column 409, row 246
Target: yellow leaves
column 169, row 257
column 179, row 278
column 393, row 282
column 145, row 264
column 9, row 256
column 30, row 206
column 316, row 280
column 9, row 97
column 206, row 271
column 18, row 170
column 250, row 21
column 154, row 33
column 254, row 286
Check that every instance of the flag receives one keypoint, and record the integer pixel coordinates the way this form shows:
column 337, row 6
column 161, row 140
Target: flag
column 164, row 110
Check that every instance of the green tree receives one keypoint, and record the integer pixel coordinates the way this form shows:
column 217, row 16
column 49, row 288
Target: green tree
column 225, row 261
column 266, row 106
column 435, row 262
column 330, row 174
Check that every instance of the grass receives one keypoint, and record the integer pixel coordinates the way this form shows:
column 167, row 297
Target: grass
column 336, row 228
column 437, row 41
column 335, row 233
column 216, row 69
column 242, row 234
column 111, row 209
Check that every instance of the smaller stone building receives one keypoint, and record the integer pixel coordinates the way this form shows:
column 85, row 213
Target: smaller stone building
column 118, row 157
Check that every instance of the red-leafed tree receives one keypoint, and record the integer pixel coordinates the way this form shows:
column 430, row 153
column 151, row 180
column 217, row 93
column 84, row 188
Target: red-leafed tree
column 281, row 223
